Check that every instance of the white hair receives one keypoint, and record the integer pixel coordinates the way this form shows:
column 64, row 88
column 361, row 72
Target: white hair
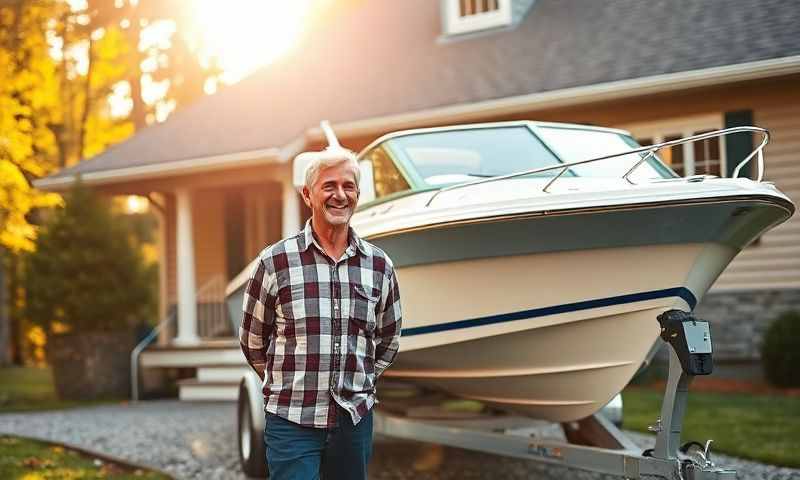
column 327, row 158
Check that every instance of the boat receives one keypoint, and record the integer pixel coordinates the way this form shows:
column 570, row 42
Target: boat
column 533, row 258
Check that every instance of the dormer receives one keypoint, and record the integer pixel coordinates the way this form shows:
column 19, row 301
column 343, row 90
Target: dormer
column 462, row 17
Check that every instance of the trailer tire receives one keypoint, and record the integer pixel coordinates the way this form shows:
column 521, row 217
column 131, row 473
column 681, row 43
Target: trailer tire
column 252, row 451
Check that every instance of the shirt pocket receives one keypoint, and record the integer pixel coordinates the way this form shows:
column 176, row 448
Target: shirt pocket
column 363, row 306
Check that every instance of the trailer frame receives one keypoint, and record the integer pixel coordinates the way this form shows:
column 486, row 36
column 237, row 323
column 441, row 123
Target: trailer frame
column 592, row 444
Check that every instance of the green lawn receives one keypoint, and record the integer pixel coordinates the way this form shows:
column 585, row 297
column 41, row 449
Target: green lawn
column 23, row 459
column 31, row 388
column 765, row 428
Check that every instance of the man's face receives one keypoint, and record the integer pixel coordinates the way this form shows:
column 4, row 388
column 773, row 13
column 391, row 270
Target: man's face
column 333, row 195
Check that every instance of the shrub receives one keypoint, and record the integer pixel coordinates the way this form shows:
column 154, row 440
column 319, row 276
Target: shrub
column 85, row 273
column 780, row 352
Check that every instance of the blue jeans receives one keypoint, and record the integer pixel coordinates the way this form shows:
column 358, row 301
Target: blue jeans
column 295, row 452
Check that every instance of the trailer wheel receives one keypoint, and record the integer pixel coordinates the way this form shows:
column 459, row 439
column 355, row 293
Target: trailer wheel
column 252, row 451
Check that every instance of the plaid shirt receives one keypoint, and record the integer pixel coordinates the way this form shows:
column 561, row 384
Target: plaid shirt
column 318, row 331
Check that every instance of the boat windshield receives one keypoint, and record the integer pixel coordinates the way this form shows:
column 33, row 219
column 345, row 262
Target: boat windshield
column 576, row 144
column 457, row 156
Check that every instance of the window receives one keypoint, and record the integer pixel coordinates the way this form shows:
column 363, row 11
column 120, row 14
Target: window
column 387, row 177
column 465, row 16
column 705, row 157
column 457, row 156
column 474, row 7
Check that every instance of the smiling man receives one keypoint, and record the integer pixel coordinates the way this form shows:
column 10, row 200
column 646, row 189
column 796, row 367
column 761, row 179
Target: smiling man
column 321, row 323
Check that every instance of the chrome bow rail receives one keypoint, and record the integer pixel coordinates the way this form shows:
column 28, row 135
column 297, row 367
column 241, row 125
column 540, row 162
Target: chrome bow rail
column 646, row 153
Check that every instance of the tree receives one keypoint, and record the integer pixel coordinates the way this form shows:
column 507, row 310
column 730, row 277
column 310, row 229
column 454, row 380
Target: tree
column 86, row 274
column 28, row 100
column 88, row 289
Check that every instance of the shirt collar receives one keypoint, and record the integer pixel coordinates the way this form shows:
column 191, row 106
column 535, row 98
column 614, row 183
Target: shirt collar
column 354, row 241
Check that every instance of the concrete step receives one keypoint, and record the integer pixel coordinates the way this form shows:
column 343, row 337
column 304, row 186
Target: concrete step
column 218, row 352
column 195, row 390
column 221, row 373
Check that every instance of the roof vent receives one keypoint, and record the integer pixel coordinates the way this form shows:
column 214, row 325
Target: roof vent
column 467, row 16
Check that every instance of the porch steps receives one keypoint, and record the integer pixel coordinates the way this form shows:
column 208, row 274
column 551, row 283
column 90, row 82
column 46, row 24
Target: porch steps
column 194, row 390
column 219, row 363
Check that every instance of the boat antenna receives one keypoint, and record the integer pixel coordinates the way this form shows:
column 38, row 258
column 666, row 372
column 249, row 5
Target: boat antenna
column 333, row 142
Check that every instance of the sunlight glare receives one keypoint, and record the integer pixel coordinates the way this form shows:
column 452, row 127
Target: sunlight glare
column 136, row 204
column 242, row 35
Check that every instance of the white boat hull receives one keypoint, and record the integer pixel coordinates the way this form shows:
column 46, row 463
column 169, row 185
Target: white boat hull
column 566, row 341
column 541, row 327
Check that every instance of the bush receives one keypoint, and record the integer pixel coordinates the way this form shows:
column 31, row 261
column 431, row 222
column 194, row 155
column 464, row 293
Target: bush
column 85, row 273
column 780, row 352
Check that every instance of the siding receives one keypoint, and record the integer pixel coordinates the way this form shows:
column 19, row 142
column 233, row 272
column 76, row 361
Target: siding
column 263, row 214
column 209, row 234
column 774, row 262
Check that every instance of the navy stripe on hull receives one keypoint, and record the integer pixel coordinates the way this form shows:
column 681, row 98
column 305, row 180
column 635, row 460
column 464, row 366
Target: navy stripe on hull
column 681, row 292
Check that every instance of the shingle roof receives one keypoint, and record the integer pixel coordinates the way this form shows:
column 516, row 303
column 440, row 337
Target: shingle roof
column 384, row 57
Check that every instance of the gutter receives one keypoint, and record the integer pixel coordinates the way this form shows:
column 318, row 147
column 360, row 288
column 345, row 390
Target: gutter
column 178, row 167
column 453, row 114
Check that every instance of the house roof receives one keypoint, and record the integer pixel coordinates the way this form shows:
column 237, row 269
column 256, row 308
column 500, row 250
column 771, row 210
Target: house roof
column 384, row 58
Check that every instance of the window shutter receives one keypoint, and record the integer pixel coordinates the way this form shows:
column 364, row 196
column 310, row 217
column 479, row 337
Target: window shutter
column 738, row 145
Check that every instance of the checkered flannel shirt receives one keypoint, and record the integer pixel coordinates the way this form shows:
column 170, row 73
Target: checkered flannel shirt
column 319, row 331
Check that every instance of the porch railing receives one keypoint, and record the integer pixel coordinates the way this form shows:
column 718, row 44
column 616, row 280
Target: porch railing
column 212, row 316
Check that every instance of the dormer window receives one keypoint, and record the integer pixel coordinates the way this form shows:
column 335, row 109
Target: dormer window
column 467, row 16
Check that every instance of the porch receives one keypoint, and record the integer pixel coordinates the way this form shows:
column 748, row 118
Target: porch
column 210, row 226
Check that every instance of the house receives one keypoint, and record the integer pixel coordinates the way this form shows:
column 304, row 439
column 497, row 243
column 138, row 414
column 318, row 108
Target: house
column 219, row 171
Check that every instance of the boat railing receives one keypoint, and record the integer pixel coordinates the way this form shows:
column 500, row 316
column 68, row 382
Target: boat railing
column 646, row 153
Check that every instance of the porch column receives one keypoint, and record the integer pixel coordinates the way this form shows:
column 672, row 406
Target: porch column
column 291, row 209
column 187, row 303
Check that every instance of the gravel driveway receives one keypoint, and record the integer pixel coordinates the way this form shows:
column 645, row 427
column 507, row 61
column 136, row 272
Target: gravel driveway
column 198, row 441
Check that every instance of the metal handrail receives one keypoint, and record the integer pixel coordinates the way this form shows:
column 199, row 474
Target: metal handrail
column 651, row 149
column 138, row 350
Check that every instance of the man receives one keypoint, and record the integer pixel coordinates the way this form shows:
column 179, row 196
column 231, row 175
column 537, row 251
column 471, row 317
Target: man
column 321, row 323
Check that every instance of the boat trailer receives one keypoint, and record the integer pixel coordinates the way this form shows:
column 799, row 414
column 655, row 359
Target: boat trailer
column 592, row 444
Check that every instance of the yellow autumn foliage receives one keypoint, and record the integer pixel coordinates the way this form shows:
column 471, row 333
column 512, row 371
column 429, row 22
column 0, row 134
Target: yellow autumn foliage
column 37, row 101
column 28, row 96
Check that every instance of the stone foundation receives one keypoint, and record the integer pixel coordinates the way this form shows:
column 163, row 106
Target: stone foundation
column 91, row 365
column 739, row 320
